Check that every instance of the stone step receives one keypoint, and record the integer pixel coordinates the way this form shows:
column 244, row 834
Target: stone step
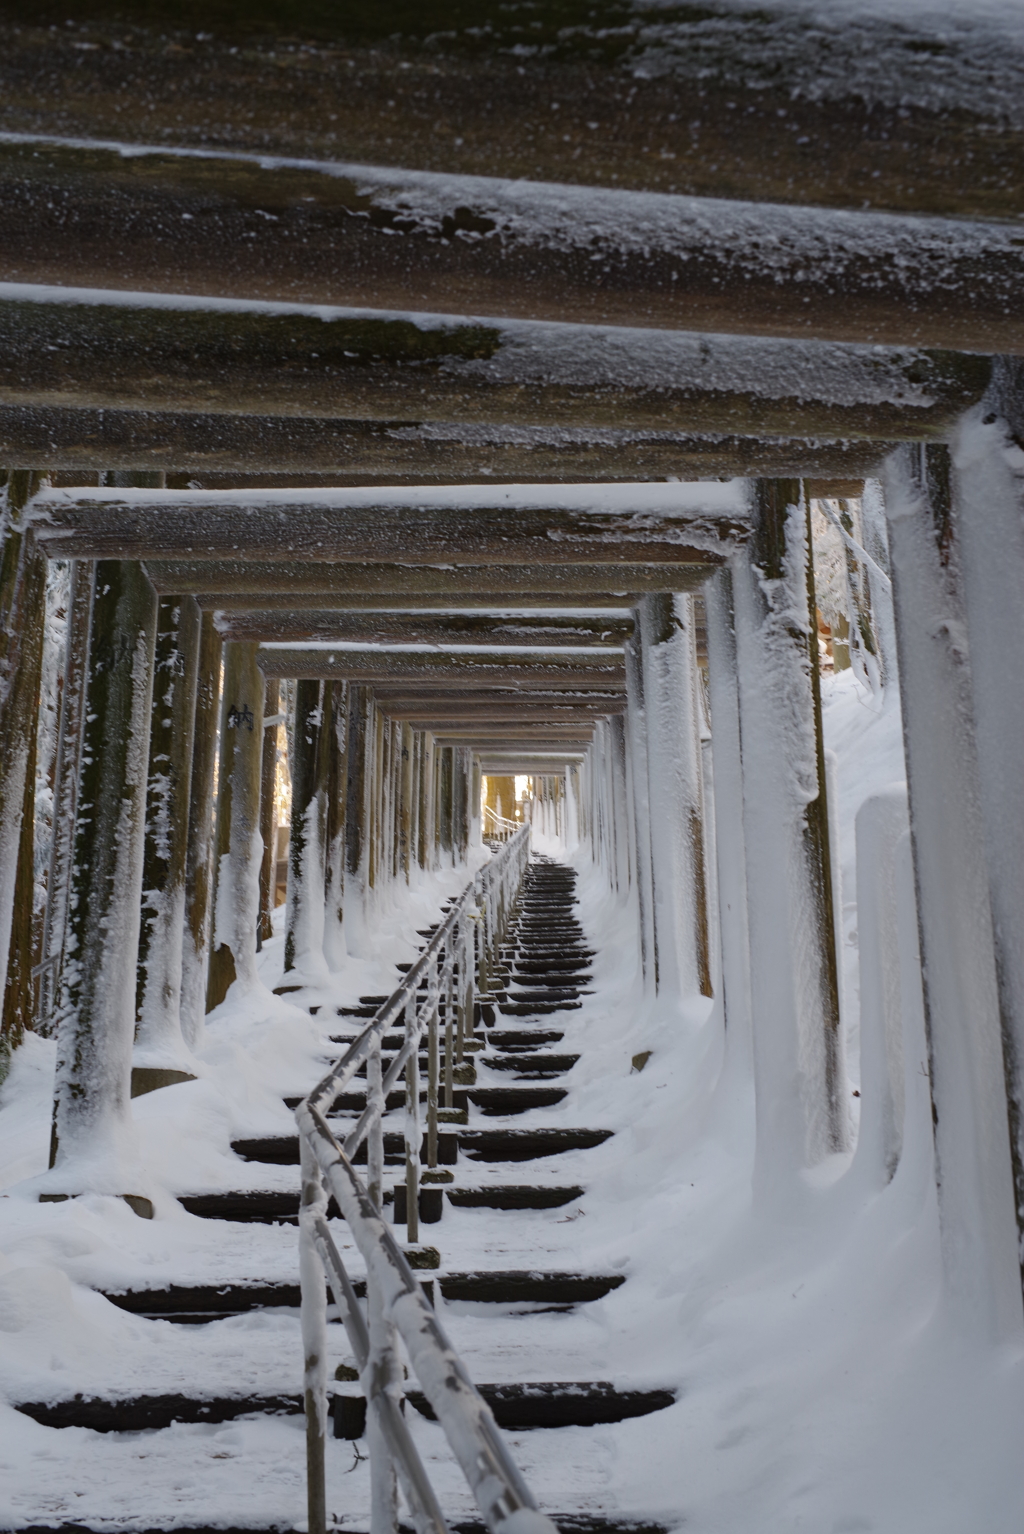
column 553, row 979
column 550, row 1065
column 141, row 1414
column 527, row 1144
column 489, row 1100
column 493, row 1102
column 258, row 1207
column 528, row 1287
column 283, row 1150
column 198, row 1304
column 551, row 966
column 546, row 993
column 522, row 1038
column 512, row 1196
column 567, row 1523
column 537, row 1008
column 569, row 1403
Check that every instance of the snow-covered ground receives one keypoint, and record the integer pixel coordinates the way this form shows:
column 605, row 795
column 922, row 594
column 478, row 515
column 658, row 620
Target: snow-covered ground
column 821, row 1386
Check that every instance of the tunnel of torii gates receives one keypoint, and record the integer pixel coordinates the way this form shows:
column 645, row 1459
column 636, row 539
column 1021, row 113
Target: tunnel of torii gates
column 289, row 476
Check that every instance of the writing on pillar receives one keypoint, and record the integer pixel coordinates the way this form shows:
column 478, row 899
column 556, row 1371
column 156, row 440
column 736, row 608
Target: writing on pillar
column 240, row 718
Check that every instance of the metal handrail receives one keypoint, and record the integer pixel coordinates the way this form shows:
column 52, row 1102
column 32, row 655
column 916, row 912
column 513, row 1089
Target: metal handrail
column 499, row 827
column 446, row 978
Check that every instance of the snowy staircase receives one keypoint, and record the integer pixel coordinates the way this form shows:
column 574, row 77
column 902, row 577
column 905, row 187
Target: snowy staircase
column 544, row 969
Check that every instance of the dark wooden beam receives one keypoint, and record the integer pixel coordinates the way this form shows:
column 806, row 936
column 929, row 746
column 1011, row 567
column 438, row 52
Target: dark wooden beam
column 420, row 628
column 430, row 668
column 718, row 99
column 377, row 238
column 98, row 348
column 232, row 605
column 251, row 582
column 642, row 524
column 222, row 449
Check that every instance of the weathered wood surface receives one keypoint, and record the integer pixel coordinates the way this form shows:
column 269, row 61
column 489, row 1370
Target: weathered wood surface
column 159, row 1040
column 373, row 237
column 433, row 668
column 96, row 1003
column 644, row 528
column 237, row 893
column 199, row 861
column 217, row 445
column 96, row 348
column 219, row 584
column 268, row 807
column 716, row 99
column 366, row 607
column 418, row 628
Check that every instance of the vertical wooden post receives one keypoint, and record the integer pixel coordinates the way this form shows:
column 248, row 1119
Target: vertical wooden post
column 161, row 1057
column 22, row 616
column 65, row 788
column 237, row 897
column 445, row 775
column 336, row 705
column 428, row 801
column 199, row 870
column 988, row 528
column 474, row 802
column 723, row 682
column 356, row 814
column 638, row 779
column 378, row 767
column 675, row 795
column 407, row 760
column 958, row 944
column 268, row 812
column 800, row 1084
column 96, row 1007
column 307, row 847
column 417, row 798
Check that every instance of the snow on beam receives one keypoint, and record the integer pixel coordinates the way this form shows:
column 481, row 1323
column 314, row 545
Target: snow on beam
column 170, row 352
column 220, row 583
column 789, row 107
column 528, row 248
column 211, row 442
column 542, row 524
column 389, row 606
column 430, row 668
column 612, row 628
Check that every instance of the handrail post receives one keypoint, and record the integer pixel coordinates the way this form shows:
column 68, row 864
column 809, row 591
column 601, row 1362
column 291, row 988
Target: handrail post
column 313, row 1316
column 413, row 1134
column 449, row 1003
column 375, row 1139
column 432, row 1069
column 380, row 1377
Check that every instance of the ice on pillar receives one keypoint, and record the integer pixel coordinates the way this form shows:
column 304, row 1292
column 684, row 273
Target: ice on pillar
column 96, row 1144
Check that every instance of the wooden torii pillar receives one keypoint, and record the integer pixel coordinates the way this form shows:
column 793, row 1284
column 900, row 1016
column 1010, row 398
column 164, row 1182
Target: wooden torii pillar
column 802, row 1113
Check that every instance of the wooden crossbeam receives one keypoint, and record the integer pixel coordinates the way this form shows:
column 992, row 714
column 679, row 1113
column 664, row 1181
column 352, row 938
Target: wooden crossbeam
column 101, row 348
column 457, row 704
column 238, row 226
column 754, row 101
column 216, row 446
column 431, row 668
column 611, row 628
column 234, row 606
column 481, row 525
column 251, row 583
column 525, row 760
